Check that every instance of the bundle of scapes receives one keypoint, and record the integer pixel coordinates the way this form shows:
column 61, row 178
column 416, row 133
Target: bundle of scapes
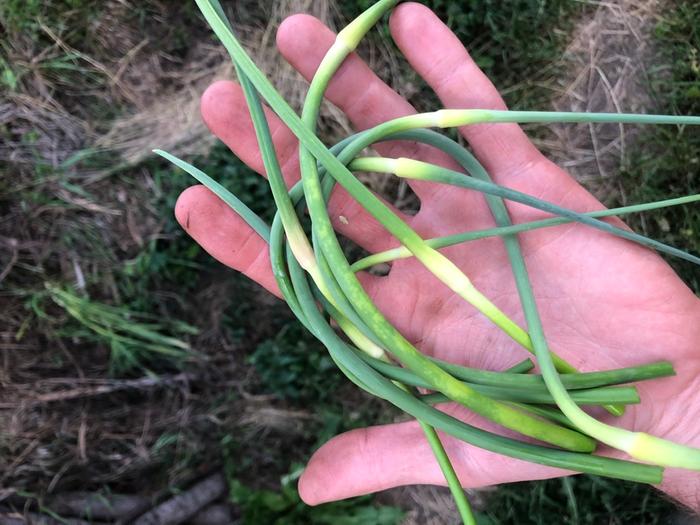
column 373, row 354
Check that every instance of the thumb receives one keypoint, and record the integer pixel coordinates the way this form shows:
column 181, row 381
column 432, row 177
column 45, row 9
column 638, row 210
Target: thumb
column 377, row 458
column 368, row 460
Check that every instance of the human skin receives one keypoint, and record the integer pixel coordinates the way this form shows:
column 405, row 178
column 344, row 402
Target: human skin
column 604, row 302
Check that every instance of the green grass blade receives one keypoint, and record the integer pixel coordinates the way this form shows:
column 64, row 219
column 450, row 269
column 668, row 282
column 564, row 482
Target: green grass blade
column 248, row 215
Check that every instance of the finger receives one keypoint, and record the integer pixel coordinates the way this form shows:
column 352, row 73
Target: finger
column 229, row 239
column 355, row 89
column 371, row 459
column 440, row 58
column 225, row 112
column 224, row 235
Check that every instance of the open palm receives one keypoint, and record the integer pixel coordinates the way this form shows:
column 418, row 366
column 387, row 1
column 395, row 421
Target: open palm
column 605, row 302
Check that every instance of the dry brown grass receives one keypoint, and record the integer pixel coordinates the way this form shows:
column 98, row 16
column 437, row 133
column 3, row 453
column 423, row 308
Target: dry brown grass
column 58, row 133
column 606, row 66
column 170, row 120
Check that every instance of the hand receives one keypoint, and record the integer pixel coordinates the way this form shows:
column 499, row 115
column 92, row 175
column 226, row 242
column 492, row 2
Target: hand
column 605, row 302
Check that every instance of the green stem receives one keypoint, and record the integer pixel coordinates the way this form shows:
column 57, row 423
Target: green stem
column 231, row 200
column 437, row 263
column 458, row 494
column 382, row 387
column 346, row 41
column 450, row 240
column 589, row 397
column 450, row 118
column 523, row 367
column 329, row 247
column 419, row 170
column 297, row 239
column 546, row 412
column 509, row 380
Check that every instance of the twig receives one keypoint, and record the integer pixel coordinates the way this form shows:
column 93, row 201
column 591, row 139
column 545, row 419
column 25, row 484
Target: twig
column 102, row 387
column 13, row 259
column 184, row 506
column 97, row 506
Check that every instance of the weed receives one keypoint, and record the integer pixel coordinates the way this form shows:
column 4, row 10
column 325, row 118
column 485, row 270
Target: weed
column 135, row 339
column 580, row 500
column 284, row 506
column 296, row 367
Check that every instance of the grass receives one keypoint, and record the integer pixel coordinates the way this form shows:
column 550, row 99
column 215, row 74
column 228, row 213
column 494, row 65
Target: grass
column 284, row 506
column 26, row 16
column 57, row 29
column 578, row 500
column 168, row 276
column 514, row 42
column 135, row 339
column 295, row 367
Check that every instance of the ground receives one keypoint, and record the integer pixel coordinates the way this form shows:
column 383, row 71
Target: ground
column 135, row 368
